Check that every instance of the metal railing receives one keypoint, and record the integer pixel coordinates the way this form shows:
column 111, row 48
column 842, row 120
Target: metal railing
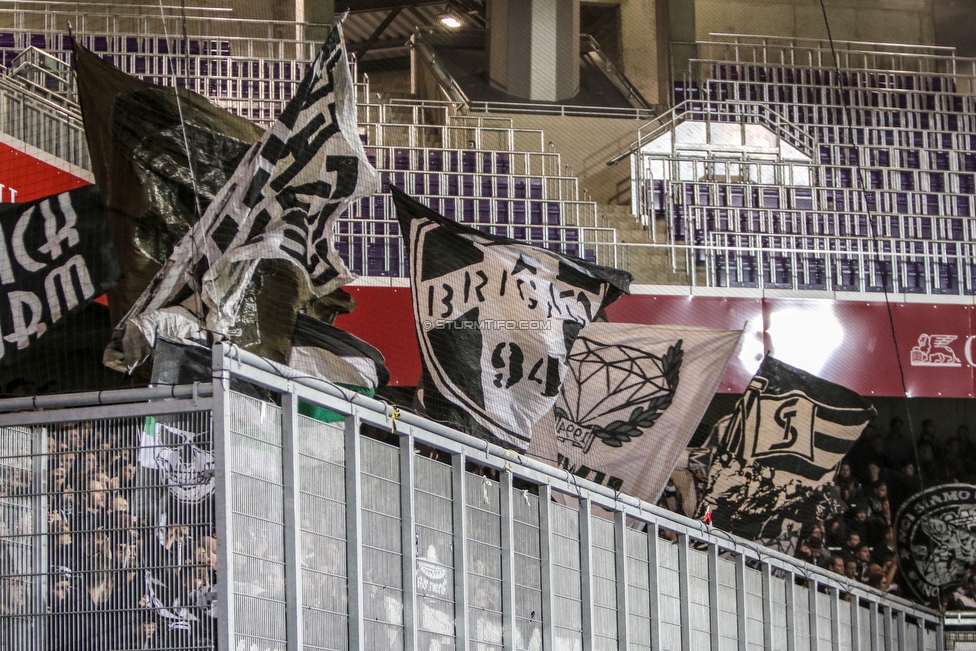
column 639, row 110
column 382, row 530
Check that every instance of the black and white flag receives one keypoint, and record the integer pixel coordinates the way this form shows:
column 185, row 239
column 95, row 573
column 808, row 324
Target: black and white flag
column 631, row 400
column 280, row 203
column 324, row 351
column 777, row 450
column 496, row 319
column 936, row 540
column 56, row 258
column 183, row 459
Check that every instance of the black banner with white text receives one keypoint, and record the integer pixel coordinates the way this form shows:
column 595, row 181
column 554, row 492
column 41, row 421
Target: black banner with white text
column 57, row 257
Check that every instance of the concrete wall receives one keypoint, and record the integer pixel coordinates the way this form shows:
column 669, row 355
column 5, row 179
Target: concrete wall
column 585, row 144
column 889, row 21
column 650, row 27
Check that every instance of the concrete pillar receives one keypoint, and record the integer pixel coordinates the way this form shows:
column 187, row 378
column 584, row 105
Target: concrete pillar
column 534, row 48
column 317, row 14
column 645, row 36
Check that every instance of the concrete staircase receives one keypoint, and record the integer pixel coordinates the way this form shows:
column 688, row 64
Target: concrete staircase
column 637, row 252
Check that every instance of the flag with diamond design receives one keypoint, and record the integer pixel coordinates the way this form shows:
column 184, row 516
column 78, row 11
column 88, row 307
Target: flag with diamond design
column 496, row 319
column 281, row 203
column 777, row 450
column 631, row 401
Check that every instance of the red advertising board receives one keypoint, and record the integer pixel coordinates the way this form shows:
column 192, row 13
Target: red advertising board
column 845, row 341
column 27, row 173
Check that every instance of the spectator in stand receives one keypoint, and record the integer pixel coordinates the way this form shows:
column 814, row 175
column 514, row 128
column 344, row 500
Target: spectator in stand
column 879, row 514
column 848, row 487
column 898, row 446
column 20, row 387
column 967, row 451
column 852, row 544
column 885, row 550
column 877, row 455
column 811, row 549
column 837, row 564
column 863, row 560
column 953, row 467
column 877, row 499
column 902, row 484
column 147, row 633
column 872, row 476
column 856, row 523
column 834, row 531
column 59, row 623
column 928, row 433
column 851, row 570
column 964, row 597
column 96, row 629
column 61, row 551
column 876, row 577
column 928, row 470
column 93, row 514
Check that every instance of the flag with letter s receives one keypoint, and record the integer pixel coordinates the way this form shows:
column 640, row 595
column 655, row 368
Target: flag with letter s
column 778, row 449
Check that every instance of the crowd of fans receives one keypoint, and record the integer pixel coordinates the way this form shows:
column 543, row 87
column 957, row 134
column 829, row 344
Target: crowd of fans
column 131, row 568
column 115, row 579
column 881, row 471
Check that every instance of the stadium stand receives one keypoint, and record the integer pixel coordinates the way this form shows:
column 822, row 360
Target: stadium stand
column 478, row 170
column 868, row 184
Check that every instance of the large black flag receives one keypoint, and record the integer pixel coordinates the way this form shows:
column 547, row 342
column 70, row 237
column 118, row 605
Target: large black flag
column 159, row 155
column 56, row 257
column 777, row 449
column 280, row 203
column 496, row 319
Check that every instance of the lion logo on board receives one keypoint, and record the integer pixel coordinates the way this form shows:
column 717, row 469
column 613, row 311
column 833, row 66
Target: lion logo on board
column 934, row 350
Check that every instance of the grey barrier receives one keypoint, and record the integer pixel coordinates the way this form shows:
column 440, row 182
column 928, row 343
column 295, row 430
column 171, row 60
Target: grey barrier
column 381, row 530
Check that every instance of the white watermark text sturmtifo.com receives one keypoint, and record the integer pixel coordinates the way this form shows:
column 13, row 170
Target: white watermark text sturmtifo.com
column 489, row 324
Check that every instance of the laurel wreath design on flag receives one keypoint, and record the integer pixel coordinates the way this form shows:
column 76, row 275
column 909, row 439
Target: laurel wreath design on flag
column 635, row 363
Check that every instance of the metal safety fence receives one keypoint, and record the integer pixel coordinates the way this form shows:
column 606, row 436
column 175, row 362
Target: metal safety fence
column 218, row 515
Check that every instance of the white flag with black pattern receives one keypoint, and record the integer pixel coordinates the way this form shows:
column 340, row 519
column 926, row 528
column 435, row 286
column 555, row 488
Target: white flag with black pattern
column 778, row 449
column 631, row 401
column 281, row 202
column 496, row 319
column 324, row 351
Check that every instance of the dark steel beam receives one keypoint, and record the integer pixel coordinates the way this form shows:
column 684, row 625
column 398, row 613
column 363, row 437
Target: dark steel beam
column 354, row 6
column 390, row 17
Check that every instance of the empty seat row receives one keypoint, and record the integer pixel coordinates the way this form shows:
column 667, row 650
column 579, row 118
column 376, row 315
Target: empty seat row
column 386, row 256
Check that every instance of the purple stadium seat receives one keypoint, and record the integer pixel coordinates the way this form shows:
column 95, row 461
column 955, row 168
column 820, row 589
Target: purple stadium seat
column 535, row 213
column 401, row 159
column 553, row 216
column 521, row 194
column 484, row 212
column 535, row 188
column 502, row 212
